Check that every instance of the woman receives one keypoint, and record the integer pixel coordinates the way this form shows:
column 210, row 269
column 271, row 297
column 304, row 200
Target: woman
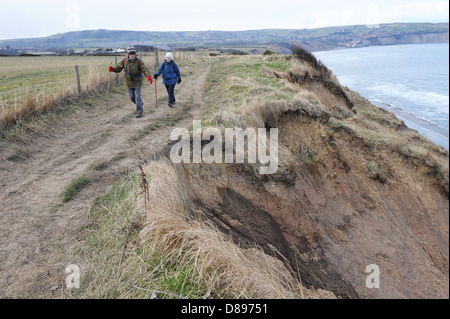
column 171, row 76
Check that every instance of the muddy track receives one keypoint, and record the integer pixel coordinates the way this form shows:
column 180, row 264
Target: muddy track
column 37, row 231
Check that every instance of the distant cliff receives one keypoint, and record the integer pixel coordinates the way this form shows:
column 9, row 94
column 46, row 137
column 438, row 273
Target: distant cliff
column 416, row 38
column 375, row 39
column 313, row 39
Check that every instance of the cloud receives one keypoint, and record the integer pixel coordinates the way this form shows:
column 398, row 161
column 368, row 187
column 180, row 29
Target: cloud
column 419, row 11
column 47, row 17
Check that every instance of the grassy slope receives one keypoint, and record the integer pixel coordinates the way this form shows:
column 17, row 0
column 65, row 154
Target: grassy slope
column 118, row 266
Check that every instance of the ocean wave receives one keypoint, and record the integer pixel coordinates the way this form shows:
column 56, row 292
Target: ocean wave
column 412, row 95
column 417, row 92
column 428, row 119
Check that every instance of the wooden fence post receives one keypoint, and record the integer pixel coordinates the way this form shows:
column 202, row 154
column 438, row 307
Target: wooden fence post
column 156, row 68
column 77, row 73
column 117, row 74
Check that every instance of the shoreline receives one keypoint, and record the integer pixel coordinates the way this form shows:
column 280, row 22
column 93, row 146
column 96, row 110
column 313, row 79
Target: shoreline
column 424, row 127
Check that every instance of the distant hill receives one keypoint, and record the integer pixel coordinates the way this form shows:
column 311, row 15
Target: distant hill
column 313, row 39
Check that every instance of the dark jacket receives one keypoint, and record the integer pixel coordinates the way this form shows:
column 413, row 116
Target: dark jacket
column 132, row 67
column 171, row 72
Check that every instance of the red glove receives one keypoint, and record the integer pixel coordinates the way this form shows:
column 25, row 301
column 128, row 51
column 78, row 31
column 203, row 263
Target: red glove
column 111, row 69
column 149, row 78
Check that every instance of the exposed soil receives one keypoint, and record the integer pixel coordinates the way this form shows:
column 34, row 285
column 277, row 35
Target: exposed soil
column 329, row 221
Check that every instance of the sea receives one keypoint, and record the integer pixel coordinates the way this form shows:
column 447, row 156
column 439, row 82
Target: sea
column 411, row 81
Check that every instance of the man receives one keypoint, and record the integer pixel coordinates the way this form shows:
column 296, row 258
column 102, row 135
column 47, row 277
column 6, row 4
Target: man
column 134, row 68
column 171, row 76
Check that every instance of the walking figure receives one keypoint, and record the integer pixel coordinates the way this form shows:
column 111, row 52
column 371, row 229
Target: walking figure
column 171, row 76
column 134, row 68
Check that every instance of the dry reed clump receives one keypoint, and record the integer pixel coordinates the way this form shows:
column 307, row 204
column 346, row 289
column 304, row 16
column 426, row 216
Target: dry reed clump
column 303, row 75
column 260, row 113
column 302, row 72
column 222, row 266
column 29, row 106
column 32, row 104
column 304, row 55
column 308, row 71
column 278, row 114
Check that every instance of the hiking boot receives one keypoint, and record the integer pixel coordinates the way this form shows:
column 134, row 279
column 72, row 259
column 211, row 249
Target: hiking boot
column 171, row 104
column 139, row 114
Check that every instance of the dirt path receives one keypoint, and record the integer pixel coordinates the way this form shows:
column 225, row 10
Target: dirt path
column 36, row 231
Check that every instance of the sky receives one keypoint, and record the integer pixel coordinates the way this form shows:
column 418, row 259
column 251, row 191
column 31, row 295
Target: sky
column 31, row 18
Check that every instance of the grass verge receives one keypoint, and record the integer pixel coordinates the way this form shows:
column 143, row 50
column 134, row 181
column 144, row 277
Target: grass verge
column 74, row 188
column 118, row 265
column 140, row 249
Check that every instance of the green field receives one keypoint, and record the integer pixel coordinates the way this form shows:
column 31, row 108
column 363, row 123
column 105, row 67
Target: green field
column 33, row 85
column 20, row 76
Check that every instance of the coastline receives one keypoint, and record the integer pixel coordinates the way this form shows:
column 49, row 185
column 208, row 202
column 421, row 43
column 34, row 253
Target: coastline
column 406, row 80
column 425, row 128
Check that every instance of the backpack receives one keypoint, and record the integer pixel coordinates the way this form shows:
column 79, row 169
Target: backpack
column 133, row 75
column 174, row 64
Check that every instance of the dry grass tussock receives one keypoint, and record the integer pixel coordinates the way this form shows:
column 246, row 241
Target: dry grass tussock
column 172, row 231
column 258, row 113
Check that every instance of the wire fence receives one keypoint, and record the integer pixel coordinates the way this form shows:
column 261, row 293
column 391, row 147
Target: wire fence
column 32, row 85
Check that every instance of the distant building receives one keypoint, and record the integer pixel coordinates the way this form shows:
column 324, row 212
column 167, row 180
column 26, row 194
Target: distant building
column 43, row 53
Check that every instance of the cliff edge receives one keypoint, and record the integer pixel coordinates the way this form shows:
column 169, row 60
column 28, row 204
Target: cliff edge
column 355, row 190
